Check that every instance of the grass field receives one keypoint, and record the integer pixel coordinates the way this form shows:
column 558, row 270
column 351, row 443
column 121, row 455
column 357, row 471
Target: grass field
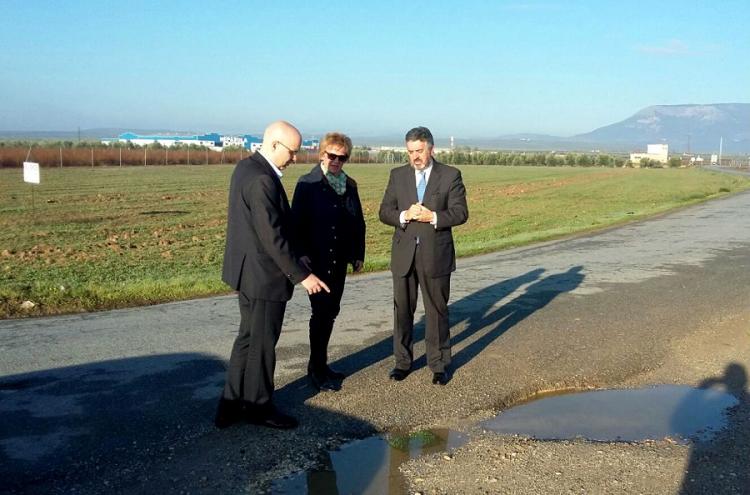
column 113, row 237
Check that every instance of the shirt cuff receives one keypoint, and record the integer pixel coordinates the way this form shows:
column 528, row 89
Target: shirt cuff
column 402, row 218
column 434, row 219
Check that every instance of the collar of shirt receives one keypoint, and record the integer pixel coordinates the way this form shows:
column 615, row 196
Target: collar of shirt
column 273, row 165
column 427, row 171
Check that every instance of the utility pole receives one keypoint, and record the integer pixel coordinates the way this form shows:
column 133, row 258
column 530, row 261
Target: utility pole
column 721, row 146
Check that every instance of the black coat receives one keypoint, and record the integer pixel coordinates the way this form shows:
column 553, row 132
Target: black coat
column 329, row 229
column 258, row 258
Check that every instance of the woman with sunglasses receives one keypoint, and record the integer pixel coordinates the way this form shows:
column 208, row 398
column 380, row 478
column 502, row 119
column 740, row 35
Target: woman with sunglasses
column 329, row 235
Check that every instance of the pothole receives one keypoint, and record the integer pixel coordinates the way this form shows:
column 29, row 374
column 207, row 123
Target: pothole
column 370, row 465
column 677, row 412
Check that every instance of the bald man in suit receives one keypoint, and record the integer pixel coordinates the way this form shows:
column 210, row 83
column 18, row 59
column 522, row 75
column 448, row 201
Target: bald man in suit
column 423, row 201
column 260, row 264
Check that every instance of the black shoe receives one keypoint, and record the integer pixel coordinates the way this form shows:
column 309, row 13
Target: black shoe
column 270, row 417
column 333, row 374
column 323, row 383
column 398, row 374
column 440, row 378
column 228, row 413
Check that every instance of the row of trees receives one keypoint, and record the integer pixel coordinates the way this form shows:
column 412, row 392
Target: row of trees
column 549, row 159
column 67, row 154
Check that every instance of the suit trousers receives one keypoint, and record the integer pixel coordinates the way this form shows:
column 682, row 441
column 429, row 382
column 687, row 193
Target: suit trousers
column 435, row 294
column 253, row 360
column 325, row 308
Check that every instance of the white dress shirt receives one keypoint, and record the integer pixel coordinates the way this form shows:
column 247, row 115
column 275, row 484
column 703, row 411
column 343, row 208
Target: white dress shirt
column 427, row 171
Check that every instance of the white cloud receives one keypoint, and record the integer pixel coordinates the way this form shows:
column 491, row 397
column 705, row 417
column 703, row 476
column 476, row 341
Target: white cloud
column 671, row 47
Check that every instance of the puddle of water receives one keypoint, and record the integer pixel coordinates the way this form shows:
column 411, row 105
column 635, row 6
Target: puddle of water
column 678, row 412
column 369, row 466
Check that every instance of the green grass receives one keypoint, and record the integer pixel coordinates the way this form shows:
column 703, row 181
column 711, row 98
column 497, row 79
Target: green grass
column 114, row 237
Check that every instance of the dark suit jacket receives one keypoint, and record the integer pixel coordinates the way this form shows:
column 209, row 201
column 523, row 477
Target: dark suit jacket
column 258, row 257
column 446, row 196
column 329, row 228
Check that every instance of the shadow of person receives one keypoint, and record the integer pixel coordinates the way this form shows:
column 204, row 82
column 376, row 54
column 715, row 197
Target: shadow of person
column 142, row 425
column 471, row 307
column 719, row 465
column 477, row 310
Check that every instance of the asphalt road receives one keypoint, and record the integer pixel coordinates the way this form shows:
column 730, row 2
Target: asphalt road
column 123, row 401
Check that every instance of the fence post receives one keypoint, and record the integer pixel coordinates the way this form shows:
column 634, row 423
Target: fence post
column 92, row 157
column 188, row 158
column 144, row 155
column 60, row 156
column 206, row 156
column 166, row 156
column 120, row 157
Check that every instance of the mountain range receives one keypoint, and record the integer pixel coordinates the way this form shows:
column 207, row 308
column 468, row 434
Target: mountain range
column 686, row 128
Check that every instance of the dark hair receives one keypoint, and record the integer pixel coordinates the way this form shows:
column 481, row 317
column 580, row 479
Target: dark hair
column 420, row 134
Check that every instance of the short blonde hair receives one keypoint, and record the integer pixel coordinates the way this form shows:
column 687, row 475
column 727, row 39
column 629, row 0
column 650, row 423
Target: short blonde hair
column 336, row 139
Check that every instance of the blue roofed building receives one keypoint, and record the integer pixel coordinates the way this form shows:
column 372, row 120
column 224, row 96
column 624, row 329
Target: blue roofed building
column 211, row 140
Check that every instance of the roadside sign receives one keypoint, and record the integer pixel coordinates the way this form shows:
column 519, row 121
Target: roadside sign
column 31, row 172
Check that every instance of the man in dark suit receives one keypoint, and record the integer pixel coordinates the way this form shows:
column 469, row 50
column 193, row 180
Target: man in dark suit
column 423, row 201
column 260, row 264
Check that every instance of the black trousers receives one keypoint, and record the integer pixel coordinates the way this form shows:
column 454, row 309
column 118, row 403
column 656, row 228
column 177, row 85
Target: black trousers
column 435, row 294
column 325, row 308
column 253, row 360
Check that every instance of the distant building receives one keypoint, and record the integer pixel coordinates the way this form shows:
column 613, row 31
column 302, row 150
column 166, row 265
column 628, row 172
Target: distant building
column 655, row 152
column 232, row 141
column 211, row 140
column 310, row 144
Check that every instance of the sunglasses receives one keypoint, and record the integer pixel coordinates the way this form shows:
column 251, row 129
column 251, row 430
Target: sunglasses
column 333, row 157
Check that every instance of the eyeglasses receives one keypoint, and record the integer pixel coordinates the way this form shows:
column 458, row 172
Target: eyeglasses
column 293, row 152
column 333, row 157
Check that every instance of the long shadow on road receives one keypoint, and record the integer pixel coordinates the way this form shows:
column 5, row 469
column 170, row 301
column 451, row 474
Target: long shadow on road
column 57, row 426
column 475, row 310
column 141, row 425
column 720, row 465
column 482, row 316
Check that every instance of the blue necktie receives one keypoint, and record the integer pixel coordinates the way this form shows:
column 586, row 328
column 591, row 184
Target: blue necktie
column 421, row 186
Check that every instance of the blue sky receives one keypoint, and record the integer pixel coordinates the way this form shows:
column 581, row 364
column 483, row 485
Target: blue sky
column 467, row 69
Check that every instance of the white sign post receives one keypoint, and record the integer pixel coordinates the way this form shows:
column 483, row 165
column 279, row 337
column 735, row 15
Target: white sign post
column 31, row 175
column 31, row 172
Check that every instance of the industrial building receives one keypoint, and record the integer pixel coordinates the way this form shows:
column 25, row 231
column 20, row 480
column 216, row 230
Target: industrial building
column 212, row 141
column 655, row 152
